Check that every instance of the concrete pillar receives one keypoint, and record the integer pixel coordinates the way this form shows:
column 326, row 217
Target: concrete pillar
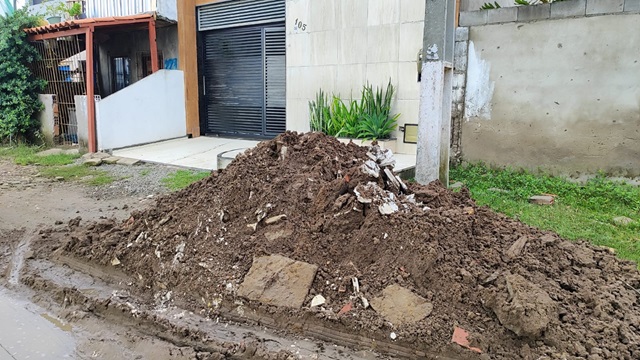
column 435, row 108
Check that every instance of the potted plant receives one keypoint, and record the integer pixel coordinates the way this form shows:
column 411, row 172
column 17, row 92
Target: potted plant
column 56, row 10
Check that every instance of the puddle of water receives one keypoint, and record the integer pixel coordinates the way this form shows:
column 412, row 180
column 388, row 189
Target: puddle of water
column 25, row 334
column 18, row 258
column 58, row 323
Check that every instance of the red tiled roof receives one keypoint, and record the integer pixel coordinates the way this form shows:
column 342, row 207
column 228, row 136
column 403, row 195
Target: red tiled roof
column 95, row 22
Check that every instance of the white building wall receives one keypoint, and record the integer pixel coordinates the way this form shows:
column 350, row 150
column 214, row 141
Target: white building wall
column 343, row 44
column 150, row 110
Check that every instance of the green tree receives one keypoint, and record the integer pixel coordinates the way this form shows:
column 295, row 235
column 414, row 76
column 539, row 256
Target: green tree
column 19, row 88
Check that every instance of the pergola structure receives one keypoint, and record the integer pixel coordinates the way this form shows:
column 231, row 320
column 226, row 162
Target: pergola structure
column 88, row 28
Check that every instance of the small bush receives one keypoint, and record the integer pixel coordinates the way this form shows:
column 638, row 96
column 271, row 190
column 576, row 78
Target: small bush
column 19, row 89
column 369, row 118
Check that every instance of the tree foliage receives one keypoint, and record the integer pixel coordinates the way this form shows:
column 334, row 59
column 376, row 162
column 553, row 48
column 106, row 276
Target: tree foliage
column 19, row 88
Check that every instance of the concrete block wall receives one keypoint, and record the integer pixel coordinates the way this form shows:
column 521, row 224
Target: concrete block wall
column 472, row 16
column 566, row 102
column 343, row 44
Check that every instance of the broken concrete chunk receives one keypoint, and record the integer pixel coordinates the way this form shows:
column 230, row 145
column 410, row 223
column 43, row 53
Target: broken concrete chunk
column 388, row 208
column 279, row 281
column 622, row 220
column 371, row 168
column 524, row 308
column 391, row 178
column 516, row 248
column 275, row 219
column 542, row 200
column 128, row 162
column 318, row 300
column 111, row 160
column 92, row 162
column 456, row 185
column 400, row 306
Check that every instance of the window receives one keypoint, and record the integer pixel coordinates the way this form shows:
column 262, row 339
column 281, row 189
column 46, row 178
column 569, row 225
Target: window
column 121, row 72
column 145, row 61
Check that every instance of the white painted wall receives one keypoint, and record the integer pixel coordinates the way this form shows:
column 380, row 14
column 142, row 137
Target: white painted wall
column 347, row 43
column 149, row 110
column 168, row 9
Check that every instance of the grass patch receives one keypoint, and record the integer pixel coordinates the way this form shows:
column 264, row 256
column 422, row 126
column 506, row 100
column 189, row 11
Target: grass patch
column 145, row 172
column 87, row 174
column 183, row 178
column 26, row 155
column 581, row 211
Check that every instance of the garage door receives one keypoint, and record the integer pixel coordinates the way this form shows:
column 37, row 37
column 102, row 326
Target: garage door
column 243, row 68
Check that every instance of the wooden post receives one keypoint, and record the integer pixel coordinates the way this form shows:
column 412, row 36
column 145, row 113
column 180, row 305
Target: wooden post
column 91, row 102
column 188, row 63
column 153, row 46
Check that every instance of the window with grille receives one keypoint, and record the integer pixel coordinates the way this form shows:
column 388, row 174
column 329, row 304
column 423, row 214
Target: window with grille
column 121, row 70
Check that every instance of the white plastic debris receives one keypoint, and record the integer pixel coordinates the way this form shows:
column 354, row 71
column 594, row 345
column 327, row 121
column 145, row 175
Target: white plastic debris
column 393, row 336
column 318, row 300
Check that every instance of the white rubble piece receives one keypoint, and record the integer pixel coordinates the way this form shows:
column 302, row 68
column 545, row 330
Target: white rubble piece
column 371, row 193
column 371, row 168
column 384, row 157
column 318, row 300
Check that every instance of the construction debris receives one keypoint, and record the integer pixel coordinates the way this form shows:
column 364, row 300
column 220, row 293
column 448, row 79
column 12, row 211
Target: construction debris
column 430, row 260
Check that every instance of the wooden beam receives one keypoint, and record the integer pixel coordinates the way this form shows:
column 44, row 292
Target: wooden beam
column 57, row 34
column 188, row 63
column 91, row 103
column 153, row 46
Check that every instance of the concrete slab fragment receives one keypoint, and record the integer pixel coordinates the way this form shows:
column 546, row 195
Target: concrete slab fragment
column 92, row 162
column 128, row 161
column 400, row 306
column 111, row 160
column 279, row 281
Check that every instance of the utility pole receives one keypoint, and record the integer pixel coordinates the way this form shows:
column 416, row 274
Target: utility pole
column 434, row 126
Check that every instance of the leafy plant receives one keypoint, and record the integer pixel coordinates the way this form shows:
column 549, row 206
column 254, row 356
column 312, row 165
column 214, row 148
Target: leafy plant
column 377, row 126
column 19, row 88
column 59, row 8
column 320, row 113
column 487, row 6
column 368, row 118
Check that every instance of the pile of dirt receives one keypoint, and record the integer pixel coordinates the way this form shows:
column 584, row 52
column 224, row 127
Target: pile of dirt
column 518, row 292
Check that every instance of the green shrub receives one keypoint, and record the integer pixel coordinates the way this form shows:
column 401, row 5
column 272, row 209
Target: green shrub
column 369, row 118
column 18, row 87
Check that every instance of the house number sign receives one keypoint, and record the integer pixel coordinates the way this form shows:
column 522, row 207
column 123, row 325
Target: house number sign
column 299, row 25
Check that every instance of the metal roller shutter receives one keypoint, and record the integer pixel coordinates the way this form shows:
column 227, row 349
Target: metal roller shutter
column 243, row 68
column 240, row 13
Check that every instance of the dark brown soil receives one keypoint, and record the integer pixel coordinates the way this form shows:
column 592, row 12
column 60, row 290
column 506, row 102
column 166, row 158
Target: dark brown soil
column 519, row 292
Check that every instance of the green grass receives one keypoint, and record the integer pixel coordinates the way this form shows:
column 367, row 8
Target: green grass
column 26, row 155
column 183, row 178
column 581, row 211
column 83, row 173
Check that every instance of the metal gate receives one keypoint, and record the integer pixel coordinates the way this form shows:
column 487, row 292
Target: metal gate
column 243, row 69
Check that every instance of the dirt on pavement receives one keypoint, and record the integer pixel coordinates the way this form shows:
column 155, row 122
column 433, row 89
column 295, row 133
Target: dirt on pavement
column 519, row 292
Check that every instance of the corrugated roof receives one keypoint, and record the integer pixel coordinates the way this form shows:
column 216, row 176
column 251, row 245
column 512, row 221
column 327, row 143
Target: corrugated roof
column 95, row 22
